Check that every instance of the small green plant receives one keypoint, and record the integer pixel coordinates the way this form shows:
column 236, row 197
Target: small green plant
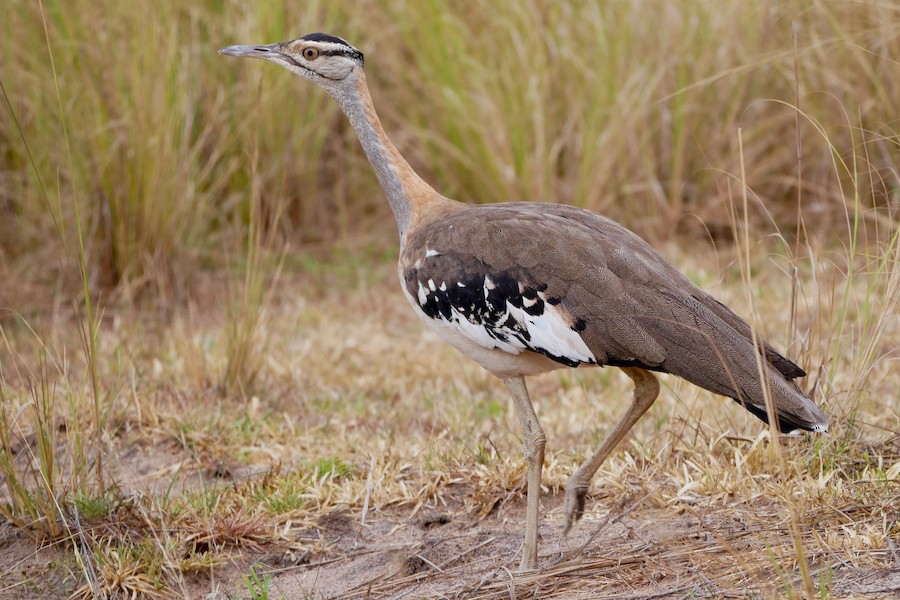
column 485, row 454
column 282, row 495
column 92, row 507
column 259, row 586
column 332, row 467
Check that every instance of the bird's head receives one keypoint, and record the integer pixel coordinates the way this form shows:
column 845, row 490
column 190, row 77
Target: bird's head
column 325, row 59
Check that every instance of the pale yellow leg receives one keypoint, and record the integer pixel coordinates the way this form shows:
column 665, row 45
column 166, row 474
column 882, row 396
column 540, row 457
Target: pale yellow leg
column 534, row 441
column 646, row 388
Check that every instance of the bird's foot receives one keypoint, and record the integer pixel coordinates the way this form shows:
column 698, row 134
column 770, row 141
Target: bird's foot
column 574, row 505
column 529, row 563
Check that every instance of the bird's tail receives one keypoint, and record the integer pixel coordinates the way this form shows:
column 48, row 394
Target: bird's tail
column 794, row 409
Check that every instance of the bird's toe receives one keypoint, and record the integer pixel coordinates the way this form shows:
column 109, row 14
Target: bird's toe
column 574, row 506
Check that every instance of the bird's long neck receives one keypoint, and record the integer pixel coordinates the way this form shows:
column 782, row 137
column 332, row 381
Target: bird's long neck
column 406, row 191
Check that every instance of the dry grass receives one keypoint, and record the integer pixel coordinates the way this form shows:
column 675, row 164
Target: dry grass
column 374, row 421
column 211, row 386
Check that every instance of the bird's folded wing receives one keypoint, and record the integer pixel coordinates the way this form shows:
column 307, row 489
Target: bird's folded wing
column 579, row 288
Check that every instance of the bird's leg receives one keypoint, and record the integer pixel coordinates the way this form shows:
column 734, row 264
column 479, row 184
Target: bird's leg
column 534, row 441
column 646, row 388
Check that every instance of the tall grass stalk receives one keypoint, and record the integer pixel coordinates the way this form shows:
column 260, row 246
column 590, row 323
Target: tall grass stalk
column 88, row 323
column 32, row 476
column 745, row 254
column 245, row 336
column 39, row 488
column 43, row 473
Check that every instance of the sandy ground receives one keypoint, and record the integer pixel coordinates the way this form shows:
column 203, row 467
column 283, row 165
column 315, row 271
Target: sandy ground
column 625, row 548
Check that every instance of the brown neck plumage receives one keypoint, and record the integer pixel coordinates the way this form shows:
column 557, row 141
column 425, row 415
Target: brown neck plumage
column 407, row 193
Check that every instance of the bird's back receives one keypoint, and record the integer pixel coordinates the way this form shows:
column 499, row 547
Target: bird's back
column 579, row 288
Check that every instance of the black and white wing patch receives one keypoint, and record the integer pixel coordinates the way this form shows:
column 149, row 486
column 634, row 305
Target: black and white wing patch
column 498, row 310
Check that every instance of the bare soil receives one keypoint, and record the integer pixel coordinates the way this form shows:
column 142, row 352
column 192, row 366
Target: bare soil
column 625, row 548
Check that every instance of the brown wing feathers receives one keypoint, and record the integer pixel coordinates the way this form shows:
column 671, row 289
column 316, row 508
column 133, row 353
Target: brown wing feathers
column 636, row 309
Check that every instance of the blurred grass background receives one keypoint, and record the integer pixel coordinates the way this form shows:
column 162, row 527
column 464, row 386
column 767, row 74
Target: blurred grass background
column 628, row 108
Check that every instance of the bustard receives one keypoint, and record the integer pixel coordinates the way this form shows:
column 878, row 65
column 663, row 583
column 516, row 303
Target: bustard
column 525, row 288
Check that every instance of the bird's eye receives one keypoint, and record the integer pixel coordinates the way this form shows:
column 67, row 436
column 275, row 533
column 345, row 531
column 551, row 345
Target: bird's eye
column 310, row 53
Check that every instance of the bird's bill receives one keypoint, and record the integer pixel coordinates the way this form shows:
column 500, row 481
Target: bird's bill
column 264, row 51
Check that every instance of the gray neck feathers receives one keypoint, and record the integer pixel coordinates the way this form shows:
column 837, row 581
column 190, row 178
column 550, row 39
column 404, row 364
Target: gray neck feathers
column 389, row 165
